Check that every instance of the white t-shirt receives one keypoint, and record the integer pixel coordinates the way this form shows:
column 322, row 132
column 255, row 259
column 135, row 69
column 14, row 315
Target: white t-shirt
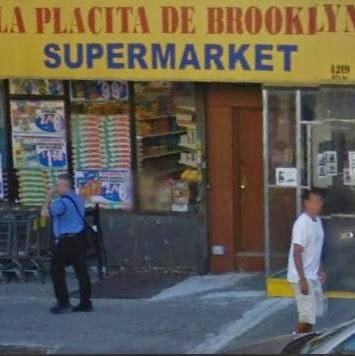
column 309, row 234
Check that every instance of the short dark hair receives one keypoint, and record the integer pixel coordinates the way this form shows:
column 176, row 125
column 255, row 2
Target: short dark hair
column 306, row 194
column 66, row 177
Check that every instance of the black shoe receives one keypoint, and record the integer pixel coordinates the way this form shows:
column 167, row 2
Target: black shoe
column 60, row 308
column 83, row 308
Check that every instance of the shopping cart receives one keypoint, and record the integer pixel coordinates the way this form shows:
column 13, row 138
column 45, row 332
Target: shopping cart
column 7, row 228
column 20, row 253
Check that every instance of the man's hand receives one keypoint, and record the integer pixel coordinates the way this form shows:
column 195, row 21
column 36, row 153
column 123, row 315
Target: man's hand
column 304, row 286
column 322, row 275
column 45, row 212
column 50, row 194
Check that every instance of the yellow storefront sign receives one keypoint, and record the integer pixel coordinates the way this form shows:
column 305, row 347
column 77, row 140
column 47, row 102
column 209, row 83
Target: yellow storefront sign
column 293, row 41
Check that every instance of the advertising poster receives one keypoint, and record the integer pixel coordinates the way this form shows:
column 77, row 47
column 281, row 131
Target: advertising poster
column 349, row 179
column 99, row 90
column 112, row 188
column 1, row 180
column 38, row 118
column 331, row 163
column 36, row 87
column 321, row 165
column 286, row 177
column 39, row 152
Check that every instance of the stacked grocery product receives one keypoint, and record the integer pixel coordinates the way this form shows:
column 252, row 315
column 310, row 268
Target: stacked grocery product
column 101, row 142
column 100, row 131
column 115, row 134
column 34, row 184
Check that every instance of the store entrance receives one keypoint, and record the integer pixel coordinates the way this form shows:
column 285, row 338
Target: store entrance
column 235, row 177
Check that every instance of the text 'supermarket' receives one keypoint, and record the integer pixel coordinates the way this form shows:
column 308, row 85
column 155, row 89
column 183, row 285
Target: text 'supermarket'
column 245, row 57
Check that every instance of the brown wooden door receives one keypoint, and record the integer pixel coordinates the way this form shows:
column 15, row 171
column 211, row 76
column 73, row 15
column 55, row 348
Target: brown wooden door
column 234, row 147
column 248, row 159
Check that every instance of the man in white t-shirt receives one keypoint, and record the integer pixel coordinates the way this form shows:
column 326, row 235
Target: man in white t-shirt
column 305, row 270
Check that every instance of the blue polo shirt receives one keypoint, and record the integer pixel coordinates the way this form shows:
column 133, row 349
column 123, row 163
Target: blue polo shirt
column 65, row 217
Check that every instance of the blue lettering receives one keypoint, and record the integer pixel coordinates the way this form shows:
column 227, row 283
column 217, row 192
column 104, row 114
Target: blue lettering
column 94, row 51
column 189, row 58
column 213, row 54
column 54, row 60
column 261, row 57
column 80, row 56
column 160, row 59
column 137, row 52
column 238, row 56
column 287, row 50
column 113, row 53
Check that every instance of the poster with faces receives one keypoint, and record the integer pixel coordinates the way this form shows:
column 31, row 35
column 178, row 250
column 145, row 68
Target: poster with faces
column 331, row 163
column 349, row 179
column 327, row 164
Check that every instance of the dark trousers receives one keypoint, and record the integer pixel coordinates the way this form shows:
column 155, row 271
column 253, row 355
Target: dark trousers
column 70, row 251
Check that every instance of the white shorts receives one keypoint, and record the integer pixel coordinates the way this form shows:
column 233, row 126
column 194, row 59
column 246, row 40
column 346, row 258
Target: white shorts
column 307, row 304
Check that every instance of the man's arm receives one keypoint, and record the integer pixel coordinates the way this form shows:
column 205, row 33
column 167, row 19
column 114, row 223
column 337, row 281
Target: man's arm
column 297, row 256
column 321, row 274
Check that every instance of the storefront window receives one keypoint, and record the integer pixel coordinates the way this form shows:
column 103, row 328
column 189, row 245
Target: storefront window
column 39, row 145
column 282, row 132
column 168, row 146
column 3, row 146
column 311, row 144
column 101, row 143
column 281, row 203
column 331, row 148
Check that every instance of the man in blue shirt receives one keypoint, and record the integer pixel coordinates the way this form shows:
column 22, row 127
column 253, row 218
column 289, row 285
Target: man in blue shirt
column 67, row 214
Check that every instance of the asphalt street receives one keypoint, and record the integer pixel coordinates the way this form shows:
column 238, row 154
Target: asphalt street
column 203, row 314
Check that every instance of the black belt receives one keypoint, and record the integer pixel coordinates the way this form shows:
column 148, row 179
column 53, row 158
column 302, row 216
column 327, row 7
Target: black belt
column 66, row 236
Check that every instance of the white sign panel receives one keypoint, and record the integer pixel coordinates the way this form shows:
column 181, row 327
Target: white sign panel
column 286, row 177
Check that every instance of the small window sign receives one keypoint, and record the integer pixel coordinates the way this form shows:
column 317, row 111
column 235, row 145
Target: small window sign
column 286, row 177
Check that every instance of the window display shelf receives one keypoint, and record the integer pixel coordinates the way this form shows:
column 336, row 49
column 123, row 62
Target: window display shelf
column 189, row 163
column 163, row 154
column 159, row 117
column 171, row 133
column 191, row 146
column 186, row 124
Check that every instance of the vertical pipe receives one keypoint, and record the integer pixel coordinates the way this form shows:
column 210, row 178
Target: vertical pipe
column 298, row 151
column 266, row 184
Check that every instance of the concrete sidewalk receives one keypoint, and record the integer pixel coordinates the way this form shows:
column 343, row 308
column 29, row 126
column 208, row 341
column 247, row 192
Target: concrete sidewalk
column 199, row 315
